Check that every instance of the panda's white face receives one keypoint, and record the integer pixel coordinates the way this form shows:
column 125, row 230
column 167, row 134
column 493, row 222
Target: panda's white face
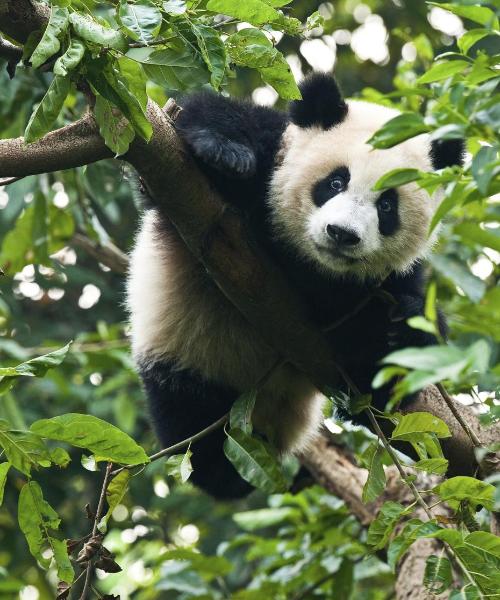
column 322, row 202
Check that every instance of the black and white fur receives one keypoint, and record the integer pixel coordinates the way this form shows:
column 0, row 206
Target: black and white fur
column 303, row 179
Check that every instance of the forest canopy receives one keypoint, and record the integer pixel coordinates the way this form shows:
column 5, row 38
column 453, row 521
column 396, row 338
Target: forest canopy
column 89, row 505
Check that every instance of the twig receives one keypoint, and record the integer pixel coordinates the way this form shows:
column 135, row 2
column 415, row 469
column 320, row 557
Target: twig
column 108, row 254
column 97, row 518
column 10, row 180
column 358, row 308
column 180, row 445
column 310, row 588
column 451, row 405
column 397, row 463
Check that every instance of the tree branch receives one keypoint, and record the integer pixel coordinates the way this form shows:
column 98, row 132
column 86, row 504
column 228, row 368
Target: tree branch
column 9, row 51
column 19, row 18
column 71, row 146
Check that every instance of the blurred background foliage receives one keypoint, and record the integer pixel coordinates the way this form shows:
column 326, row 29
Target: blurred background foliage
column 54, row 291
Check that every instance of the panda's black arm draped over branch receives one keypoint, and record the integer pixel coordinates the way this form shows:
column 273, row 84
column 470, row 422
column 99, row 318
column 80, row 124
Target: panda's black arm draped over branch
column 303, row 182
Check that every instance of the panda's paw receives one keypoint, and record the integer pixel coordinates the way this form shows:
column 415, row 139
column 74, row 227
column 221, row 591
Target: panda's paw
column 400, row 334
column 216, row 150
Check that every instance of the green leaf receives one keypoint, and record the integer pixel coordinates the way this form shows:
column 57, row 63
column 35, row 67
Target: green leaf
column 466, row 41
column 484, row 167
column 4, row 469
column 385, row 375
column 381, row 528
column 412, row 425
column 65, row 570
column 459, row 488
column 254, row 462
column 467, row 592
column 176, row 68
column 252, row 520
column 70, row 59
column 255, row 12
column 479, row 14
column 251, row 48
column 60, row 457
column 413, row 530
column 36, row 518
column 455, row 195
column 110, row 84
column 50, row 44
column 48, row 110
column 422, row 324
column 459, row 273
column 443, row 70
column 375, row 484
column 23, row 449
column 397, row 177
column 398, row 129
column 279, row 76
column 438, row 574
column 209, row 566
column 439, row 466
column 140, row 19
column 90, row 30
column 115, row 492
column 106, row 441
column 113, row 126
column 37, row 367
column 433, row 363
column 475, row 233
column 179, row 466
column 240, row 416
column 175, row 7
column 484, row 541
column 212, row 50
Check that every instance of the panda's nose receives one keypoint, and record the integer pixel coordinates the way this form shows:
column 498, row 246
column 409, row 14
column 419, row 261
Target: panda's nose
column 341, row 236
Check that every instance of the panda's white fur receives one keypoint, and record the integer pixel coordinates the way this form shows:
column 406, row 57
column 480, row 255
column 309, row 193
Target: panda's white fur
column 176, row 312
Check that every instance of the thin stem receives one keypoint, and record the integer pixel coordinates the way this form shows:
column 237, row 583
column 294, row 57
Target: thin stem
column 451, row 405
column 9, row 180
column 398, row 464
column 183, row 444
column 100, row 506
column 309, row 589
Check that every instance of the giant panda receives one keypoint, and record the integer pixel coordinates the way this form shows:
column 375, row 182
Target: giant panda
column 303, row 180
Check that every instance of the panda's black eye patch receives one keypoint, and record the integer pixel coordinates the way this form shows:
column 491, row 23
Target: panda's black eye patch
column 387, row 208
column 334, row 183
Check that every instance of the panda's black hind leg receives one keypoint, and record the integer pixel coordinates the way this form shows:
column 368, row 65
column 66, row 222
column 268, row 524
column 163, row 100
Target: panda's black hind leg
column 182, row 403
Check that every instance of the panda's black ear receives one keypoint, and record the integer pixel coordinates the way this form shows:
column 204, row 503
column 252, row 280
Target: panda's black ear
column 446, row 153
column 321, row 105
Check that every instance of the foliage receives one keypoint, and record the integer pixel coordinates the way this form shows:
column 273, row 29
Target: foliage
column 66, row 408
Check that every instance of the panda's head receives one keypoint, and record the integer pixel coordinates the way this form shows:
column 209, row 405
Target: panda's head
column 321, row 197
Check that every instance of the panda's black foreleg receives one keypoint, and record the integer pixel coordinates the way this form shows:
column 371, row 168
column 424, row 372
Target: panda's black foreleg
column 400, row 335
column 182, row 403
